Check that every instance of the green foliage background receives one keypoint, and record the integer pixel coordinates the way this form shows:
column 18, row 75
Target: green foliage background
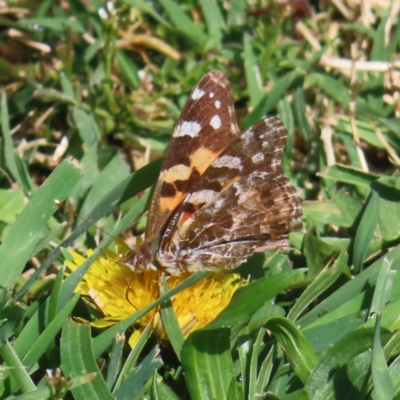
column 90, row 94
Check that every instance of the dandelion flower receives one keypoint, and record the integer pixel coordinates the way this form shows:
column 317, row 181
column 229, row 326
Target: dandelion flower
column 118, row 293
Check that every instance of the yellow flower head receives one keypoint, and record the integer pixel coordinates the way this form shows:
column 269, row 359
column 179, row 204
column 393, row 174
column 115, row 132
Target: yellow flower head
column 118, row 293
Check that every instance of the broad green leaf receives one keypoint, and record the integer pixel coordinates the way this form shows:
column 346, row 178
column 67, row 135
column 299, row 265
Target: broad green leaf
column 350, row 207
column 318, row 254
column 388, row 189
column 321, row 383
column 66, row 85
column 237, row 13
column 77, row 359
column 11, row 204
column 298, row 350
column 325, row 333
column 207, row 362
column 10, row 317
column 161, row 391
column 248, row 299
column 115, row 172
column 18, row 245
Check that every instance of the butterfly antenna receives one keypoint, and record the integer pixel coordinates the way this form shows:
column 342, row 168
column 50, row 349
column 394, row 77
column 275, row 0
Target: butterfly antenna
column 72, row 212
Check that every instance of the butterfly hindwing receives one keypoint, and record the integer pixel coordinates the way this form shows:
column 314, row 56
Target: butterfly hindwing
column 242, row 202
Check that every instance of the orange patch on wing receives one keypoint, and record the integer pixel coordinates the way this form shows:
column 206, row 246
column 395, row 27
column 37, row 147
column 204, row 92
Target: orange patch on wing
column 170, row 203
column 202, row 158
column 184, row 217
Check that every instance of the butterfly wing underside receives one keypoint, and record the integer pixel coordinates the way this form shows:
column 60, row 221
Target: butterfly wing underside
column 241, row 203
column 221, row 194
column 205, row 128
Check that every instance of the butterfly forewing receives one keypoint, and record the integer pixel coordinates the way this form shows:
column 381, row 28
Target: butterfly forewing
column 205, row 128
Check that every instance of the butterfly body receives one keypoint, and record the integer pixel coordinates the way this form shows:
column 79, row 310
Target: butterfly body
column 221, row 194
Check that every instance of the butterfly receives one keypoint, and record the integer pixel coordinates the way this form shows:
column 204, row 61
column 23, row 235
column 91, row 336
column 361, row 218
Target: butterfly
column 221, row 194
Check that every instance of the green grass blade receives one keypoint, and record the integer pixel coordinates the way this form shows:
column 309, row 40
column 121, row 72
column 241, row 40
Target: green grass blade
column 354, row 176
column 11, row 314
column 184, row 24
column 380, row 374
column 114, row 366
column 237, row 15
column 252, row 393
column 133, row 385
column 321, row 384
column 66, row 85
column 214, row 20
column 18, row 245
column 170, row 322
column 299, row 106
column 383, row 288
column 133, row 356
column 207, row 362
column 254, row 81
column 128, row 69
column 351, row 289
column 53, row 301
column 49, row 333
column 17, row 368
column 298, row 350
column 365, row 231
column 247, row 300
column 265, row 371
column 77, row 359
column 8, row 144
column 318, row 286
column 87, row 127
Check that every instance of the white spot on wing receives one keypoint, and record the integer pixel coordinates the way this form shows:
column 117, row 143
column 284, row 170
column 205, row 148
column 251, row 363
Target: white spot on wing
column 217, row 104
column 257, row 158
column 202, row 196
column 211, row 95
column 177, row 172
column 228, row 161
column 215, row 122
column 197, row 94
column 187, row 128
